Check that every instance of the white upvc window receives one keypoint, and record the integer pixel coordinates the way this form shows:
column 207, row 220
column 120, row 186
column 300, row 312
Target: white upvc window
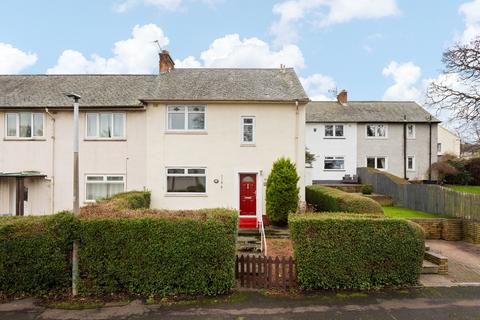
column 186, row 180
column 410, row 131
column 186, row 118
column 248, row 130
column 334, row 131
column 439, row 147
column 105, row 125
column 332, row 163
column 376, row 130
column 103, row 186
column 24, row 125
column 377, row 163
column 411, row 163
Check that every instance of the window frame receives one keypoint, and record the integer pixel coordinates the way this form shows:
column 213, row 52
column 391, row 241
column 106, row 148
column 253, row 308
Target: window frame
column 17, row 126
column 376, row 159
column 97, row 115
column 334, row 158
column 242, row 130
column 413, row 163
column 439, row 147
column 185, row 117
column 376, row 125
column 186, row 174
column 104, row 180
column 334, row 125
column 414, row 131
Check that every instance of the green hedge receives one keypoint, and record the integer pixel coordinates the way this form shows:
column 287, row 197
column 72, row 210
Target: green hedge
column 159, row 255
column 130, row 200
column 334, row 200
column 34, row 254
column 344, row 251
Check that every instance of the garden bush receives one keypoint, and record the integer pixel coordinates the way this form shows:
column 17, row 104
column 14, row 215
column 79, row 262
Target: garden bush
column 125, row 201
column 330, row 199
column 344, row 251
column 282, row 191
column 165, row 253
column 34, row 254
column 367, row 189
column 473, row 167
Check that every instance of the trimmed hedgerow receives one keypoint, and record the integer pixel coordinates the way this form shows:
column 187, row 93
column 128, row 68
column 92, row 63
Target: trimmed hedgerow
column 194, row 254
column 131, row 200
column 334, row 200
column 34, row 253
column 344, row 251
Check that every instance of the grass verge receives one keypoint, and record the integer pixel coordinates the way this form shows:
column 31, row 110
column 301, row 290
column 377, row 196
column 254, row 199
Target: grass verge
column 404, row 213
column 466, row 189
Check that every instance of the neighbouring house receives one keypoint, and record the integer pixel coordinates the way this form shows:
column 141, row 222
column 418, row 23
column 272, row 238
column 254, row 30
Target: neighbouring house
column 448, row 142
column 398, row 137
column 196, row 138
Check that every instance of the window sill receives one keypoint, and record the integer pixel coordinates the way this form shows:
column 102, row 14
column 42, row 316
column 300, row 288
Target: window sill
column 105, row 139
column 376, row 138
column 334, row 170
column 247, row 145
column 334, row 138
column 187, row 132
column 181, row 194
column 25, row 139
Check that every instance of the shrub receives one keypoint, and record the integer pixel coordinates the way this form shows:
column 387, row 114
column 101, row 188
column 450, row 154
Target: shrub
column 282, row 191
column 367, row 189
column 132, row 200
column 34, row 253
column 164, row 254
column 473, row 167
column 339, row 251
column 329, row 199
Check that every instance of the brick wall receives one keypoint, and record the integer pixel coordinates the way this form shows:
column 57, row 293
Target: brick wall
column 446, row 229
column 471, row 231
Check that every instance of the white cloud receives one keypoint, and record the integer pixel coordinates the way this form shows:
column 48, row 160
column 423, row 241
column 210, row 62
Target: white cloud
column 318, row 86
column 471, row 13
column 138, row 54
column 231, row 51
column 406, row 77
column 324, row 13
column 13, row 60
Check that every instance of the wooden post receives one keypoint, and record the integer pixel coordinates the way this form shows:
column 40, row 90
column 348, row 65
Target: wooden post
column 20, row 196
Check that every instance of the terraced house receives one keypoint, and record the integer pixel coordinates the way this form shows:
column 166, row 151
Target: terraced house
column 196, row 138
column 399, row 137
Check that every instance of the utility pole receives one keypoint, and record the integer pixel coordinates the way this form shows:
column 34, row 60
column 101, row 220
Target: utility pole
column 76, row 203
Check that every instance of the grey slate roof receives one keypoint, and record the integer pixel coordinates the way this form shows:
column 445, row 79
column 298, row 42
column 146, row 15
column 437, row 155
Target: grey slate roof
column 366, row 111
column 128, row 90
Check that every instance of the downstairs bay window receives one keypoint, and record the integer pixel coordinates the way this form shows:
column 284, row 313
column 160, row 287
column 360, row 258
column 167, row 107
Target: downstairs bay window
column 186, row 180
column 103, row 186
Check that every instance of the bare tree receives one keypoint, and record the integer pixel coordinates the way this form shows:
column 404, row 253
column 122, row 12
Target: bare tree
column 457, row 91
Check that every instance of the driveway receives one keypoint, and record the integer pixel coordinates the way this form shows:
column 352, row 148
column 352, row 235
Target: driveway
column 463, row 263
column 422, row 303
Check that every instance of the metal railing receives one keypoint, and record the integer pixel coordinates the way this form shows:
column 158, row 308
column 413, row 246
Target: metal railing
column 263, row 239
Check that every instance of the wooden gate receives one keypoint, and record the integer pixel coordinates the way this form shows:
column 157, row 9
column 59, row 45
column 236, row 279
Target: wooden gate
column 265, row 272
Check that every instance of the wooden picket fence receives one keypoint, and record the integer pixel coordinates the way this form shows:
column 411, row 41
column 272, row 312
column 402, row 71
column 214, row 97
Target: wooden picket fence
column 265, row 272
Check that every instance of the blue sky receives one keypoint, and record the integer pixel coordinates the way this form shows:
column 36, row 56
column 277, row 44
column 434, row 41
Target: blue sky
column 376, row 49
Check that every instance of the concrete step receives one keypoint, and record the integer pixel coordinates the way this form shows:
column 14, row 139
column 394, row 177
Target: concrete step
column 429, row 268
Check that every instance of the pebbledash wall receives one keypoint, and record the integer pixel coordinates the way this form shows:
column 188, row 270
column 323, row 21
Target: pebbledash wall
column 148, row 148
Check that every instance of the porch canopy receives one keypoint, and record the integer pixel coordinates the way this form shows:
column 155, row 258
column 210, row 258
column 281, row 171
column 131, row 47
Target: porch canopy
column 20, row 186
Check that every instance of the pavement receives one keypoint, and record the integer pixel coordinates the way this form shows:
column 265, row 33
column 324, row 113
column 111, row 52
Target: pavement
column 463, row 264
column 418, row 303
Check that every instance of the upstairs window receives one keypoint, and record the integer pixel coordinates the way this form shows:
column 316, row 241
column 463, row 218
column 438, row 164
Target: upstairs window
column 411, row 163
column 376, row 130
column 410, row 131
column 186, row 180
column 24, row 125
column 334, row 130
column 105, row 125
column 248, row 130
column 186, row 118
column 439, row 147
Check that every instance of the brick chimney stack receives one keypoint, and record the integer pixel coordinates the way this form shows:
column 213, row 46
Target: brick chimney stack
column 166, row 63
column 342, row 97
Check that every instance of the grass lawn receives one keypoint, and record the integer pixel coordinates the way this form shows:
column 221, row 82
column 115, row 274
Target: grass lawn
column 466, row 189
column 398, row 212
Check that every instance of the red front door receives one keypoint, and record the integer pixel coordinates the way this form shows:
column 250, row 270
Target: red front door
column 248, row 194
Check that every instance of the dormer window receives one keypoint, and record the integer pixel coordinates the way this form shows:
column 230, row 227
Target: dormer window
column 186, row 118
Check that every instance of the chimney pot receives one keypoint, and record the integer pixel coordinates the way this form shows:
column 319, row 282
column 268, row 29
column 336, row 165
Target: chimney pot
column 342, row 97
column 166, row 63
